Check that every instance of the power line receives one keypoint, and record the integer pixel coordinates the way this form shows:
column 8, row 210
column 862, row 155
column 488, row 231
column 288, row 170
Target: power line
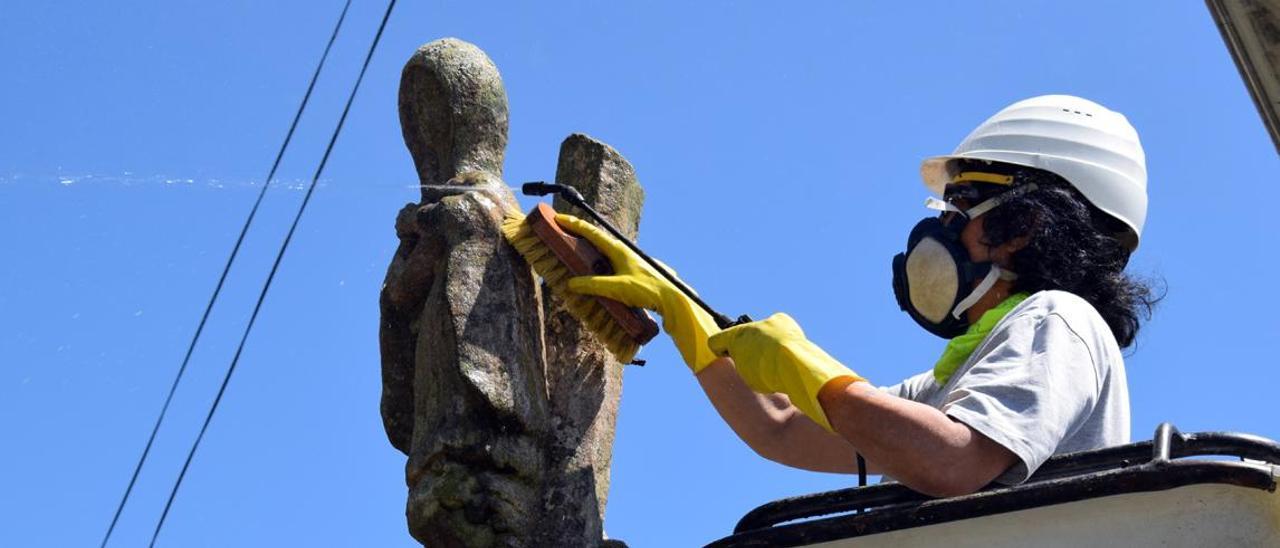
column 223, row 278
column 274, row 268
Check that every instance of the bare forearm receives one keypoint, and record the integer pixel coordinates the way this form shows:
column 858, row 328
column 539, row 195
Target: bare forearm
column 915, row 443
column 771, row 426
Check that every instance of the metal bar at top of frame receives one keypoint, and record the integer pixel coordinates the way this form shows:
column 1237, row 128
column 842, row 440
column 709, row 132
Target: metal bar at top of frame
column 1251, row 30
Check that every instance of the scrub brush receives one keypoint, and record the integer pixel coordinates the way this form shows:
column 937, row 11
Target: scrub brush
column 557, row 255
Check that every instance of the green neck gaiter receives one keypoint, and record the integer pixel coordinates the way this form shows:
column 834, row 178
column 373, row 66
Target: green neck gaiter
column 959, row 349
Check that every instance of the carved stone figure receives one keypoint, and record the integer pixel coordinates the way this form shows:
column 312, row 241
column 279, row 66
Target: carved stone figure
column 504, row 404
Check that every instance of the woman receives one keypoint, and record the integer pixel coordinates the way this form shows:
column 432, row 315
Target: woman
column 1023, row 271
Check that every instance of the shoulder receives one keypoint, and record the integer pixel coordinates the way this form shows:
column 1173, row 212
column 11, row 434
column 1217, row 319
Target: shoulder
column 1072, row 311
column 1061, row 315
column 1055, row 301
column 916, row 388
column 1055, row 324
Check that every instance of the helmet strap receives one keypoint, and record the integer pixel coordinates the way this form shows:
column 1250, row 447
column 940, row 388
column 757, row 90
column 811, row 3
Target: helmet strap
column 982, row 177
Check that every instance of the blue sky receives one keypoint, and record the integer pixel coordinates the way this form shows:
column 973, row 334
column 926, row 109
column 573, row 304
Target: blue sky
column 778, row 146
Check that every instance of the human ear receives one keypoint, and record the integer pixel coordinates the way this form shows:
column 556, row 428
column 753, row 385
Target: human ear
column 1003, row 253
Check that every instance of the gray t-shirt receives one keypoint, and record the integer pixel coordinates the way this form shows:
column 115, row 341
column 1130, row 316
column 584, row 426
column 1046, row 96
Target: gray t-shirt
column 1049, row 379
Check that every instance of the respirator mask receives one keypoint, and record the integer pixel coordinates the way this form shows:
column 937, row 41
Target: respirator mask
column 934, row 280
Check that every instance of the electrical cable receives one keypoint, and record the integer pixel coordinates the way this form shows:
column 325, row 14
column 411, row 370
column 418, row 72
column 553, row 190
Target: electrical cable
column 306, row 97
column 271, row 276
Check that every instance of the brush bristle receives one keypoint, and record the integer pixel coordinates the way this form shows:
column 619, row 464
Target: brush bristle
column 584, row 308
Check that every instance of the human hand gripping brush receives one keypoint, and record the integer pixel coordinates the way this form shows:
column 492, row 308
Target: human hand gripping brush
column 557, row 256
column 557, row 246
column 640, row 281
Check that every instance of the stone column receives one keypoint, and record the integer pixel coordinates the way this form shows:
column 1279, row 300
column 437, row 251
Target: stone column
column 503, row 403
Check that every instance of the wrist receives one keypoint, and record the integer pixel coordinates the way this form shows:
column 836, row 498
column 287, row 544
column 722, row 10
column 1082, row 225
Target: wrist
column 689, row 328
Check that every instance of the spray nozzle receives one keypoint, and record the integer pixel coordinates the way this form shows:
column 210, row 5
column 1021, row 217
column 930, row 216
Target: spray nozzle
column 543, row 188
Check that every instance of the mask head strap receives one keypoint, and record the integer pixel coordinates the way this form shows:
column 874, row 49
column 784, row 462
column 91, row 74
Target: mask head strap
column 973, row 213
column 941, row 205
column 988, row 281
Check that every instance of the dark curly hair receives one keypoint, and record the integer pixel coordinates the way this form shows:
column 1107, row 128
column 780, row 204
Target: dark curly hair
column 1072, row 246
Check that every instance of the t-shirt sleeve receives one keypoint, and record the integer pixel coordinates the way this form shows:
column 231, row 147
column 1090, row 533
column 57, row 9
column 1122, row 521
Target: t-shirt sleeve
column 1034, row 385
column 911, row 388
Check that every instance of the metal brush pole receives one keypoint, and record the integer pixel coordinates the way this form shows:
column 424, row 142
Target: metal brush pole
column 574, row 197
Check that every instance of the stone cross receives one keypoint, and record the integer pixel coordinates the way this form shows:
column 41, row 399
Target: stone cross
column 504, row 404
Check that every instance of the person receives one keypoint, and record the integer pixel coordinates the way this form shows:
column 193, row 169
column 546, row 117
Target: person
column 1022, row 270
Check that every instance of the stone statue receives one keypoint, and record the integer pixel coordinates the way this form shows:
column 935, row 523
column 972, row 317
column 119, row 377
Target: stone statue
column 503, row 403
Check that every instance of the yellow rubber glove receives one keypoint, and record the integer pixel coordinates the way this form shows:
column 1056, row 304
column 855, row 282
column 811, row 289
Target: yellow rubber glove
column 635, row 283
column 773, row 355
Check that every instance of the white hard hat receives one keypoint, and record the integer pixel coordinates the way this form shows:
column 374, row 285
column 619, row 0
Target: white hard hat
column 1093, row 148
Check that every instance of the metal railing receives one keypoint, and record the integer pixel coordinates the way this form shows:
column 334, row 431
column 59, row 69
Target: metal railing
column 1138, row 467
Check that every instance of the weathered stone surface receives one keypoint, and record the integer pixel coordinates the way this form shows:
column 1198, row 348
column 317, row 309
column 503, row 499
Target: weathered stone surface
column 503, row 403
column 479, row 408
column 453, row 111
column 606, row 179
column 585, row 380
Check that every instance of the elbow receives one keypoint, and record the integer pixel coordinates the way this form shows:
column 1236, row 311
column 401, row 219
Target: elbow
column 944, row 485
column 954, row 477
column 768, row 437
column 768, row 445
column 774, row 443
column 967, row 465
